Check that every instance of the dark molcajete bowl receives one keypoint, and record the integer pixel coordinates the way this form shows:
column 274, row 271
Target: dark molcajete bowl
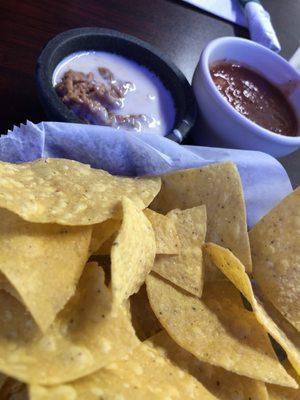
column 112, row 41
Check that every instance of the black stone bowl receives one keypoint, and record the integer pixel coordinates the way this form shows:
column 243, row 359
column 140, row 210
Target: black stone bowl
column 108, row 40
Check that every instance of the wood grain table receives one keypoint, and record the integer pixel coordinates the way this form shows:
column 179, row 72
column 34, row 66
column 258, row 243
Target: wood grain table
column 176, row 28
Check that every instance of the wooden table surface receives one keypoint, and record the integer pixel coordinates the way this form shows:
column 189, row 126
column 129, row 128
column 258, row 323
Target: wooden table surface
column 178, row 29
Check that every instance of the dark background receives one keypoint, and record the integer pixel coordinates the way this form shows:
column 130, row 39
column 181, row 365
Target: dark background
column 178, row 29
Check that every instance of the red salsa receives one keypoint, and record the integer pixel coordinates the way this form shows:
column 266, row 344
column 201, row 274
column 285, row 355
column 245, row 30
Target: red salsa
column 254, row 97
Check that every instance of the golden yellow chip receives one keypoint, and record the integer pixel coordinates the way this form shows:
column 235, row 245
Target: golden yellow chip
column 85, row 336
column 132, row 253
column 290, row 331
column 166, row 236
column 217, row 329
column 144, row 375
column 281, row 393
column 222, row 384
column 42, row 263
column 235, row 271
column 69, row 193
column 218, row 186
column 167, row 241
column 275, row 244
column 143, row 318
column 69, row 330
column 102, row 232
column 185, row 269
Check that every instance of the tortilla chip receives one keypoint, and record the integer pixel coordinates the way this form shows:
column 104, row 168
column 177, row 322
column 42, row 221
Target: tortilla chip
column 67, row 192
column 275, row 244
column 218, row 186
column 102, row 232
column 282, row 323
column 235, row 271
column 143, row 318
column 145, row 375
column 61, row 392
column 166, row 237
column 185, row 269
column 222, row 384
column 282, row 393
column 85, row 336
column 279, row 320
column 132, row 253
column 42, row 263
column 217, row 329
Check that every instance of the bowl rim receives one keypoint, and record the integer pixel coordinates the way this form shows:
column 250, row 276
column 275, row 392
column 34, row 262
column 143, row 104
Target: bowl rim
column 50, row 100
column 255, row 128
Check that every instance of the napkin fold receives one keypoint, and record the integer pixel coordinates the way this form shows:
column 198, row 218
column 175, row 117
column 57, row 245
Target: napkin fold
column 260, row 26
column 227, row 9
column 252, row 16
column 264, row 180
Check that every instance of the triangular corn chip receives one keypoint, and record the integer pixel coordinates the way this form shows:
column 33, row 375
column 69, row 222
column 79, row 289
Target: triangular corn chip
column 275, row 245
column 185, row 269
column 67, row 192
column 166, row 237
column 235, row 271
column 132, row 253
column 218, row 186
column 217, row 329
column 144, row 375
column 42, row 263
column 85, row 336
column 223, row 384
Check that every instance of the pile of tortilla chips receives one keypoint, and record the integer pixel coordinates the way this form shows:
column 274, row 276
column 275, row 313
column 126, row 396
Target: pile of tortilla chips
column 102, row 298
